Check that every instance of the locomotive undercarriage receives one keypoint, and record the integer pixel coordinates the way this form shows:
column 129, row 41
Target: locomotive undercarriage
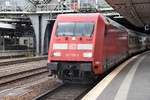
column 73, row 72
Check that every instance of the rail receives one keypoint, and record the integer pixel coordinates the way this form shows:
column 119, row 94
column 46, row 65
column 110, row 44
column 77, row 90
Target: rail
column 6, row 62
column 61, row 92
column 16, row 69
column 11, row 53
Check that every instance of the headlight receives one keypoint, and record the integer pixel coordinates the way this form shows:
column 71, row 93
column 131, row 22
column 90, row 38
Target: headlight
column 57, row 54
column 87, row 54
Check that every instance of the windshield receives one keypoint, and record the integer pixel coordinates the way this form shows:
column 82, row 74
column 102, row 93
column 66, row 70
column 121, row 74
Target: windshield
column 75, row 29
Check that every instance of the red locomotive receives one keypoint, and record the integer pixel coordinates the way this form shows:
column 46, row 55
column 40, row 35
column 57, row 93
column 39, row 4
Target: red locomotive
column 84, row 46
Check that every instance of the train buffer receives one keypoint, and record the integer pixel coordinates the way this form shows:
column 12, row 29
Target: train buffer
column 129, row 81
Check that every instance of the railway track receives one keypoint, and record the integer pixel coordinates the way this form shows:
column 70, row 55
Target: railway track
column 65, row 92
column 21, row 70
column 4, row 62
column 22, row 74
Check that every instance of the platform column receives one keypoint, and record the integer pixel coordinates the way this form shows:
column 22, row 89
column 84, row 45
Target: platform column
column 44, row 23
column 35, row 19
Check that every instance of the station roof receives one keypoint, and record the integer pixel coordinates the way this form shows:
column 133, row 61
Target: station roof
column 135, row 11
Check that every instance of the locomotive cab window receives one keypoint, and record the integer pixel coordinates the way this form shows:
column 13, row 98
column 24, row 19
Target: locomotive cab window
column 75, row 29
column 65, row 29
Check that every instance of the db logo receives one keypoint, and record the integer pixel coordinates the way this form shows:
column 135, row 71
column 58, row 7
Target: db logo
column 72, row 46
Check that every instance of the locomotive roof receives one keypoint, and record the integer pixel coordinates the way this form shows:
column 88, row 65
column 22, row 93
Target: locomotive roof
column 80, row 14
column 106, row 19
column 86, row 15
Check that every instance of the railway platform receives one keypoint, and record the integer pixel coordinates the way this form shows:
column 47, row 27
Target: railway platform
column 129, row 81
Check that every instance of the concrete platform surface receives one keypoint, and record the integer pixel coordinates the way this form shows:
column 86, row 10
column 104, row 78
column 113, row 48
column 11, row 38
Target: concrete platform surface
column 129, row 81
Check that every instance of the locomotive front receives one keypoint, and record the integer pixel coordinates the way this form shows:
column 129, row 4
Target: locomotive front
column 71, row 48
